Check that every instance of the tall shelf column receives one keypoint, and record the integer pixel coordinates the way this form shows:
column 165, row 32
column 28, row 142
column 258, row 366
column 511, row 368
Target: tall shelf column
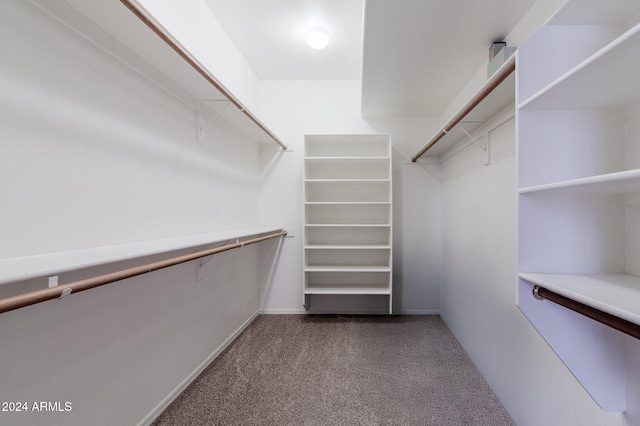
column 579, row 185
column 347, row 216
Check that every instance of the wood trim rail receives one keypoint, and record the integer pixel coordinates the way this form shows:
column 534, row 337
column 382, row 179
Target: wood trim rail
column 150, row 22
column 489, row 87
column 605, row 318
column 31, row 298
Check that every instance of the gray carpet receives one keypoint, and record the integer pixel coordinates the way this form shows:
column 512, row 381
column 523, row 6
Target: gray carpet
column 340, row 370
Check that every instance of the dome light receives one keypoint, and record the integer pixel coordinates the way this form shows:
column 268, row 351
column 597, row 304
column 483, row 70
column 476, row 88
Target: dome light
column 318, row 38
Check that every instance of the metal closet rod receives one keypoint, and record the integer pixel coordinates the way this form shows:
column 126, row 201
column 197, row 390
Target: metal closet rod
column 149, row 21
column 605, row 318
column 489, row 87
column 31, row 298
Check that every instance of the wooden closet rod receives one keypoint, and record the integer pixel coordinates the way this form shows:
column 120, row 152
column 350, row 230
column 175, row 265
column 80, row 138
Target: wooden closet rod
column 195, row 64
column 31, row 298
column 605, row 318
column 489, row 87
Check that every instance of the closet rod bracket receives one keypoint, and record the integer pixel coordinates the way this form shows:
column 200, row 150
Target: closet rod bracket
column 475, row 141
column 204, row 260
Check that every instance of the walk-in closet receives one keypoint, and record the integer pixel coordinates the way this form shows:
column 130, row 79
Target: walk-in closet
column 319, row 212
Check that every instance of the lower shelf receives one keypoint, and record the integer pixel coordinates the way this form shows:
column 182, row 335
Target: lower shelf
column 347, row 268
column 330, row 280
column 347, row 289
column 615, row 294
column 593, row 352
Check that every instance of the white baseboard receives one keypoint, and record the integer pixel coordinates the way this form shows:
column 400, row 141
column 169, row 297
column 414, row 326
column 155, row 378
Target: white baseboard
column 195, row 373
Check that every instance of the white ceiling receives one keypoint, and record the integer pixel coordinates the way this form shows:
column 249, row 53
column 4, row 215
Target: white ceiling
column 416, row 54
column 271, row 34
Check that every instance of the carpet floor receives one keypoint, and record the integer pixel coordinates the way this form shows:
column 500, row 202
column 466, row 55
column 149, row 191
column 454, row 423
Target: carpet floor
column 340, row 370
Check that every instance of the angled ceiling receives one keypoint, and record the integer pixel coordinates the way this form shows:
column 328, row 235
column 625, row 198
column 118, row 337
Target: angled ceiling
column 415, row 57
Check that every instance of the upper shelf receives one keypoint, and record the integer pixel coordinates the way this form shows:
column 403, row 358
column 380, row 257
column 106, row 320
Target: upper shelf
column 595, row 12
column 139, row 41
column 496, row 94
column 616, row 77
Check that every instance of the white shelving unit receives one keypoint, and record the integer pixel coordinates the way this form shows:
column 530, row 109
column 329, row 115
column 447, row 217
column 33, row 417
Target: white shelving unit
column 579, row 179
column 347, row 216
column 43, row 265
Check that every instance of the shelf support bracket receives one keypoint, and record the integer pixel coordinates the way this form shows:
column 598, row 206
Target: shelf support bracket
column 476, row 142
column 204, row 260
column 204, row 120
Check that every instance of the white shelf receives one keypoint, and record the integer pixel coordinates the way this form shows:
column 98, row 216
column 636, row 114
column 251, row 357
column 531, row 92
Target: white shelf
column 347, row 289
column 616, row 76
column 118, row 31
column 346, row 247
column 346, row 159
column 347, row 268
column 347, row 225
column 347, row 203
column 595, row 12
column 353, row 190
column 612, row 183
column 615, row 294
column 346, row 180
column 43, row 265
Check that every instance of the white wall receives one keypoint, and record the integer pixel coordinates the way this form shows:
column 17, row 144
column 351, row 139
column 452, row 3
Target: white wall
column 93, row 154
column 86, row 140
column 295, row 108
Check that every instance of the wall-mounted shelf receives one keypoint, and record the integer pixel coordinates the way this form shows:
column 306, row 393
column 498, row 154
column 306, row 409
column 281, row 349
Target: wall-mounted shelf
column 43, row 265
column 161, row 59
column 610, row 66
column 496, row 94
column 615, row 294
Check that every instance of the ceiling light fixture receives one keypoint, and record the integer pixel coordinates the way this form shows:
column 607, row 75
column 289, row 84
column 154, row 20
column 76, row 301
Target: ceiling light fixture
column 318, row 38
